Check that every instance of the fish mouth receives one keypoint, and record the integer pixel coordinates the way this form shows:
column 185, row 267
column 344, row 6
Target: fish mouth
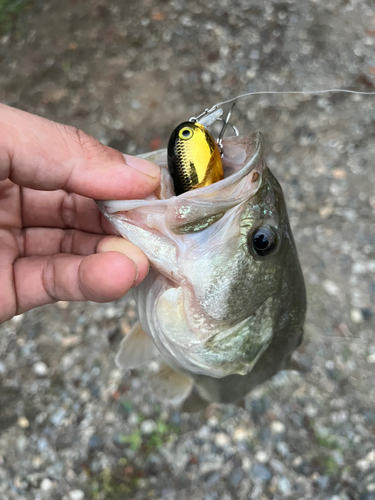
column 241, row 156
column 157, row 223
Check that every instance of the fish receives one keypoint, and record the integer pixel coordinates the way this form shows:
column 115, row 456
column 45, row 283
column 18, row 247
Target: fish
column 223, row 307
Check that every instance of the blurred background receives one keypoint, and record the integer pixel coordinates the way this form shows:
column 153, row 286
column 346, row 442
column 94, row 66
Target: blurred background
column 71, row 425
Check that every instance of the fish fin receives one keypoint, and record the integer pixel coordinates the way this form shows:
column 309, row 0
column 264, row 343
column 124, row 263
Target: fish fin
column 194, row 403
column 136, row 349
column 170, row 385
column 293, row 364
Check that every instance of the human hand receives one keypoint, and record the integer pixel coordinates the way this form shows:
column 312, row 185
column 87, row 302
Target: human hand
column 52, row 235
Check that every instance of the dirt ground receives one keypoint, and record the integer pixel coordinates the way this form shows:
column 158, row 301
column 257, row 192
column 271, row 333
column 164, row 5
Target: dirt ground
column 71, row 425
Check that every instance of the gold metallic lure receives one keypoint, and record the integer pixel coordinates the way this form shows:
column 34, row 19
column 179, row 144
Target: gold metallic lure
column 194, row 158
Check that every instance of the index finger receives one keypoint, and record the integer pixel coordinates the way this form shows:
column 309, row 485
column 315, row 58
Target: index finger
column 44, row 155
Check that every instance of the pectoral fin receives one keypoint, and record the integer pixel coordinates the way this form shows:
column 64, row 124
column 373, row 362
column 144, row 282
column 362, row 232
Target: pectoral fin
column 136, row 349
column 170, row 385
column 194, row 403
column 294, row 364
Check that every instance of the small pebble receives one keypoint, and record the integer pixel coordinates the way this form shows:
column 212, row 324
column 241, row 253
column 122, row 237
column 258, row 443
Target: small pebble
column 323, row 482
column 367, row 496
column 277, row 427
column 37, row 461
column 62, row 304
column 17, row 319
column 212, row 479
column 58, row 416
column 203, row 432
column 76, row 495
column 23, row 423
column 338, row 457
column 331, row 288
column 371, row 358
column 46, row 485
column 236, row 478
column 330, row 365
column 110, row 312
column 240, row 434
column 285, row 486
column 372, row 201
column 365, row 463
column 277, row 465
column 96, row 442
column 311, row 411
column 40, row 369
column 222, row 440
column 325, row 212
column 213, row 421
column 133, row 418
column 246, row 463
column 339, row 173
column 261, row 457
column 282, row 448
column 148, row 427
column 356, row 315
column 260, row 472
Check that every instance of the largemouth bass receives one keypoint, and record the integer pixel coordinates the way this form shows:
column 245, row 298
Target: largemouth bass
column 224, row 304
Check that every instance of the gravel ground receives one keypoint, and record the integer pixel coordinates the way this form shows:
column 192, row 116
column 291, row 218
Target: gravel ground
column 71, row 425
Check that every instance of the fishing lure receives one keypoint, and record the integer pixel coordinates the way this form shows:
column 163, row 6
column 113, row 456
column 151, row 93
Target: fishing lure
column 194, row 156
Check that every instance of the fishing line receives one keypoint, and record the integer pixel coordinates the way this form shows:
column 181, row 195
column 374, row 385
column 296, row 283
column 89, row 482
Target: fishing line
column 210, row 115
column 285, row 92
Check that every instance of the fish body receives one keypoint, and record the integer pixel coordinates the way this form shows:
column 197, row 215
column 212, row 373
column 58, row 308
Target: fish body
column 224, row 304
column 194, row 159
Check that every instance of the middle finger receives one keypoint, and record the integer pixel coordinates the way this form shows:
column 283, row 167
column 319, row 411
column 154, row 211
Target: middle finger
column 63, row 210
column 47, row 241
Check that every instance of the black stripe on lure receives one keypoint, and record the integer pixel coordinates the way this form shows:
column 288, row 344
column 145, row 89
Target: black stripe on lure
column 194, row 157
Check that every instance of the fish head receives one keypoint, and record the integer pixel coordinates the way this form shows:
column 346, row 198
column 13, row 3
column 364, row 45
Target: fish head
column 219, row 256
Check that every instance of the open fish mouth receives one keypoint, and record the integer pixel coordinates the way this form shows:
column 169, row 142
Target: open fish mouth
column 190, row 212
column 195, row 246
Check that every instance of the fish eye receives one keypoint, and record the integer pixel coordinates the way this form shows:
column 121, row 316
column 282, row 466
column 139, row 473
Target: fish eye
column 264, row 240
column 185, row 133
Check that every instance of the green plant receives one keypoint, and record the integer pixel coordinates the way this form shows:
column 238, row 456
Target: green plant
column 331, row 466
column 113, row 484
column 9, row 10
column 134, row 440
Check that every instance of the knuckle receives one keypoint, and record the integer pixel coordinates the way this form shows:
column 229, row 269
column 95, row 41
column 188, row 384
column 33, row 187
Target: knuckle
column 48, row 278
column 67, row 242
column 90, row 146
column 68, row 209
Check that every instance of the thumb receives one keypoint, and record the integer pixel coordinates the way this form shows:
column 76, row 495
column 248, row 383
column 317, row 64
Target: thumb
column 44, row 155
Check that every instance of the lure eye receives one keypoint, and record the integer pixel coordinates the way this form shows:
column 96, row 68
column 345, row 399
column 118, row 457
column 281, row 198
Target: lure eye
column 264, row 240
column 185, row 133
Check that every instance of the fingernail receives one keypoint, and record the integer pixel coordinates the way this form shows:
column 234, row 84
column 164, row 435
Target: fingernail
column 142, row 165
column 135, row 281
